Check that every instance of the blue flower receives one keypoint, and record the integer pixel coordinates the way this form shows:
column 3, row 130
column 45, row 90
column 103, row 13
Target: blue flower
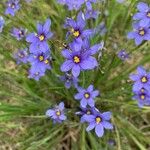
column 141, row 80
column 77, row 28
column 123, row 55
column 87, row 96
column 40, row 62
column 2, row 22
column 22, row 56
column 99, row 121
column 144, row 15
column 39, row 40
column 142, row 96
column 19, row 33
column 57, row 113
column 78, row 59
column 139, row 34
column 84, row 112
column 12, row 7
column 69, row 80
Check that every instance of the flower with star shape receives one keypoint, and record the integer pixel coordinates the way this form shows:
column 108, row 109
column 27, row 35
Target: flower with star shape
column 12, row 7
column 86, row 96
column 57, row 113
column 39, row 40
column 99, row 121
column 79, row 58
column 143, row 15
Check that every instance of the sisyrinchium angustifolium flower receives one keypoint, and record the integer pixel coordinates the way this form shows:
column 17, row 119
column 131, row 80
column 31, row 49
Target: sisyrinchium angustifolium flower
column 141, row 86
column 75, row 62
column 141, row 26
column 12, row 7
column 19, row 33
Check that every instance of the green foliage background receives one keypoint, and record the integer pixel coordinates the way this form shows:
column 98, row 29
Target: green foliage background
column 23, row 101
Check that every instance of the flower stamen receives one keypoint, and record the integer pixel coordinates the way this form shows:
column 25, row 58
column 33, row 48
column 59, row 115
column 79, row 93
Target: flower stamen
column 76, row 59
column 41, row 37
column 58, row 113
column 98, row 120
column 144, row 79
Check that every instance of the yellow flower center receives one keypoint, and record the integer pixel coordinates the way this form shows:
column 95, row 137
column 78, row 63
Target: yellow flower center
column 88, row 112
column 142, row 97
column 142, row 90
column 86, row 95
column 12, row 5
column 41, row 58
column 20, row 55
column 76, row 59
column 98, row 120
column 141, row 32
column 46, row 61
column 76, row 33
column 148, row 14
column 144, row 79
column 37, row 73
column 41, row 37
column 58, row 113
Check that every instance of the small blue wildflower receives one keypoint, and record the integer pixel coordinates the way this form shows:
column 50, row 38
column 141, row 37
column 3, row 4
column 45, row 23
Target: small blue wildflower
column 99, row 121
column 57, row 113
column 21, row 56
column 78, row 59
column 19, row 33
column 39, row 40
column 85, row 111
column 77, row 28
column 87, row 96
column 40, row 61
column 123, row 55
column 139, row 33
column 2, row 22
column 12, row 7
column 141, row 80
column 142, row 96
column 69, row 80
column 144, row 15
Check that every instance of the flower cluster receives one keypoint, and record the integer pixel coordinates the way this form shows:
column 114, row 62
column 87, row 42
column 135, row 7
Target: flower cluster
column 141, row 28
column 79, row 56
column 38, row 54
column 141, row 86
